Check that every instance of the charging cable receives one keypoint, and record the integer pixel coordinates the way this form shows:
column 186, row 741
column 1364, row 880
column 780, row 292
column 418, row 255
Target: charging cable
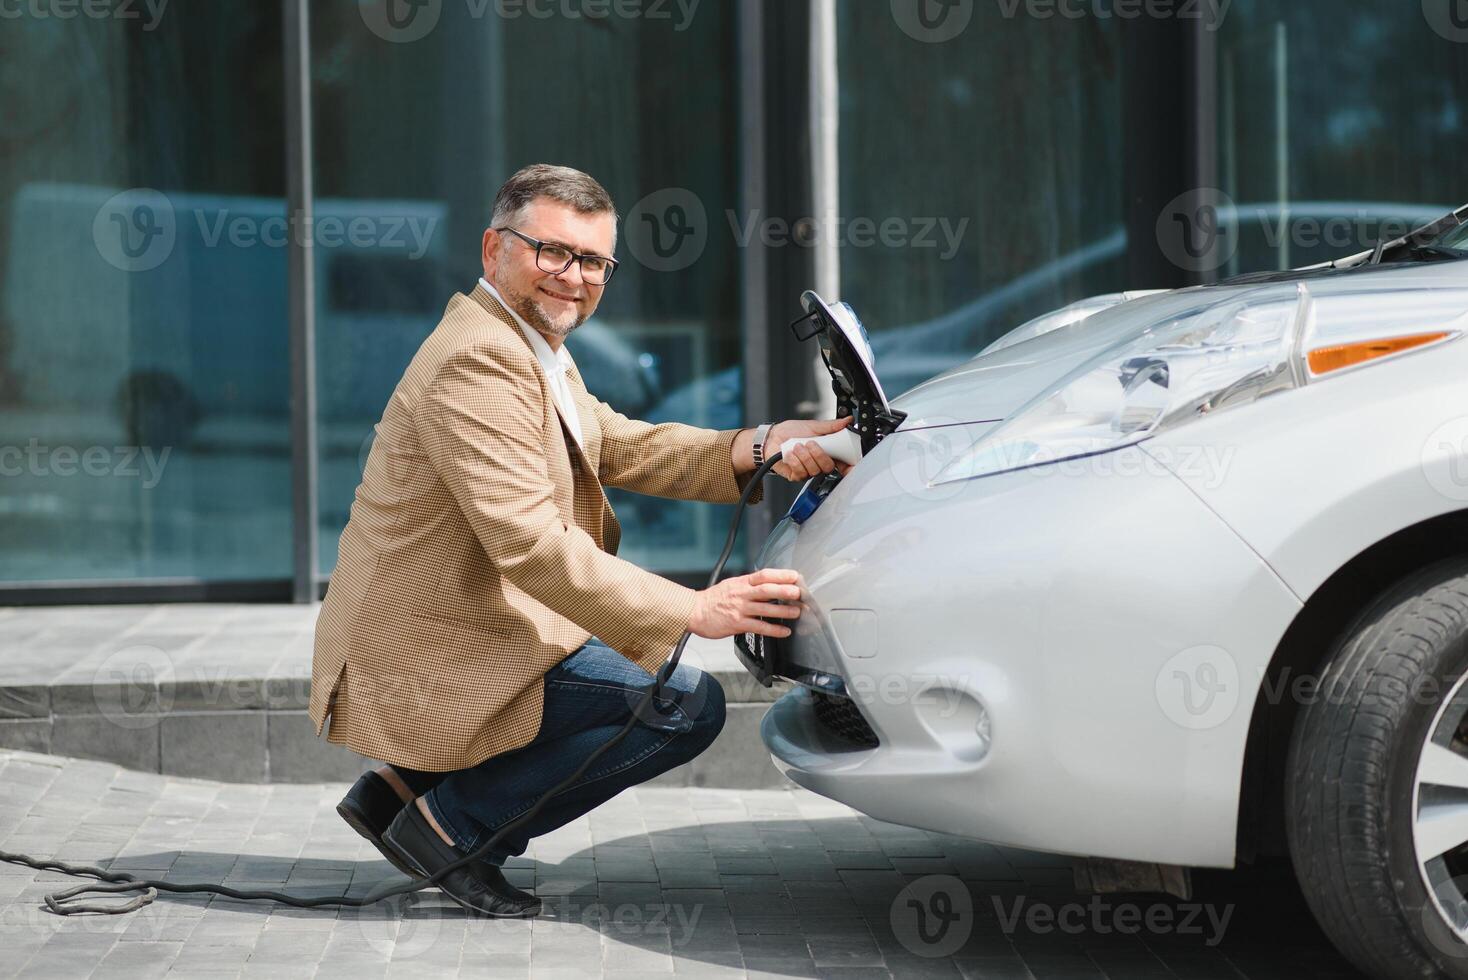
column 110, row 882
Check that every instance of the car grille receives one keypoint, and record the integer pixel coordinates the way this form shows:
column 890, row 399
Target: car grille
column 840, row 717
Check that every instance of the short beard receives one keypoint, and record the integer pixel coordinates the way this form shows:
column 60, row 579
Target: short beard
column 531, row 312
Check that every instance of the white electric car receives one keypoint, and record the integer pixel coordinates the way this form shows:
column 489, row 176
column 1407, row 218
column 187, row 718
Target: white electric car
column 1175, row 578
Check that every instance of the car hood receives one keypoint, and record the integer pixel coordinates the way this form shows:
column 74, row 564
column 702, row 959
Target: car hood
column 992, row 387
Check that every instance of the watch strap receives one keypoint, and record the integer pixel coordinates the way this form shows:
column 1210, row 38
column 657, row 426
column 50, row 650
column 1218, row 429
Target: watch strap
column 761, row 433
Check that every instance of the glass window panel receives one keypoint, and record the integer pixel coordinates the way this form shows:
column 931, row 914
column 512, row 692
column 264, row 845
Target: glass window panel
column 980, row 178
column 424, row 122
column 143, row 340
column 1341, row 121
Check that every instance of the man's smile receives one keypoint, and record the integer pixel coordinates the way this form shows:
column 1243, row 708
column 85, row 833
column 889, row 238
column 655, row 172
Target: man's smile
column 563, row 297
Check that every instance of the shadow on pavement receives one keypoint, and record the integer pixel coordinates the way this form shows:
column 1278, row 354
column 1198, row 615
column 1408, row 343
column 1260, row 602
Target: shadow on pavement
column 798, row 897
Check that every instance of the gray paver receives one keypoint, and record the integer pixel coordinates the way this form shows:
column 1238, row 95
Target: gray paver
column 662, row 881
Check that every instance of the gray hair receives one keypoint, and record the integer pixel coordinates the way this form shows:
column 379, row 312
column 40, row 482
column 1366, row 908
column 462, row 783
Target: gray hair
column 564, row 184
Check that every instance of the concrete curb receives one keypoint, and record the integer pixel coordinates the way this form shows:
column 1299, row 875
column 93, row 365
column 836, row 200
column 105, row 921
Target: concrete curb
column 200, row 718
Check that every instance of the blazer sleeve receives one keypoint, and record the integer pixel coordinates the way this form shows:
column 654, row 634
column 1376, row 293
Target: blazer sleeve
column 486, row 444
column 671, row 460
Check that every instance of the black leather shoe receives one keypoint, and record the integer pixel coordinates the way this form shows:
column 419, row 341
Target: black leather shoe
column 368, row 808
column 479, row 887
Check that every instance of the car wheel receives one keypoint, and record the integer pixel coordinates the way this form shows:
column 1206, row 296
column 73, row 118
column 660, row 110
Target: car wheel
column 1377, row 783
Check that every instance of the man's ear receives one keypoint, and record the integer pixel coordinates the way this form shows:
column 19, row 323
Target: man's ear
column 489, row 252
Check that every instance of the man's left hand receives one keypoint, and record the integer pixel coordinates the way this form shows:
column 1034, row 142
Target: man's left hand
column 807, row 459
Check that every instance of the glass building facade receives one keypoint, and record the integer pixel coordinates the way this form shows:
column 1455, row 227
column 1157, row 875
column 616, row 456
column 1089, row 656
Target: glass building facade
column 950, row 168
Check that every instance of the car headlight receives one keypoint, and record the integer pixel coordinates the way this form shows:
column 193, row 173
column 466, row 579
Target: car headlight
column 1210, row 360
column 1050, row 322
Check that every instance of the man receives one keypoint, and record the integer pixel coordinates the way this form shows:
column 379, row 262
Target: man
column 479, row 635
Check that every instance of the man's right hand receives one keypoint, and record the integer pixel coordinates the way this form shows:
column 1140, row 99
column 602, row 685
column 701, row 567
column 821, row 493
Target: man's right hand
column 735, row 605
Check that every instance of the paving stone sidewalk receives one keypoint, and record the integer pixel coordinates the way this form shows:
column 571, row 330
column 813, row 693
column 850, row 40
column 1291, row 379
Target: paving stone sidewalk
column 659, row 882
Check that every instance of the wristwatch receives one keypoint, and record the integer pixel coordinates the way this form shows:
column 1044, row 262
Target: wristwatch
column 761, row 433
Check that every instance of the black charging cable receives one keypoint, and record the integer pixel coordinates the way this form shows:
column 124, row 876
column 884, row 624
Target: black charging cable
column 116, row 882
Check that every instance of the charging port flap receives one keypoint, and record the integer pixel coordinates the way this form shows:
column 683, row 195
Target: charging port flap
column 847, row 353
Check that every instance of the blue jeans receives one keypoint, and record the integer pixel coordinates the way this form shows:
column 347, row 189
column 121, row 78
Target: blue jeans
column 588, row 698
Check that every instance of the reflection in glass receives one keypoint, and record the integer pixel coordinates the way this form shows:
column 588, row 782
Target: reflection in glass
column 981, row 191
column 1342, row 122
column 143, row 356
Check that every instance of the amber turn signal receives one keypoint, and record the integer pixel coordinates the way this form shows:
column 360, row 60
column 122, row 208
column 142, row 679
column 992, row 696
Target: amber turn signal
column 1324, row 360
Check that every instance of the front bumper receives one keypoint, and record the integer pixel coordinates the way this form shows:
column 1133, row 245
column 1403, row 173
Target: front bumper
column 1027, row 650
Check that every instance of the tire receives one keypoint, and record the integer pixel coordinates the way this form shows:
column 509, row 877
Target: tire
column 1393, row 680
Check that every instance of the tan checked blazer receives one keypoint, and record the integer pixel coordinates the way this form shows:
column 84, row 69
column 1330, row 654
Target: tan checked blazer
column 481, row 549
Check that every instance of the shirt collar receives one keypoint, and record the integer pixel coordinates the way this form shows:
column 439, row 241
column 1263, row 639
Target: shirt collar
column 551, row 361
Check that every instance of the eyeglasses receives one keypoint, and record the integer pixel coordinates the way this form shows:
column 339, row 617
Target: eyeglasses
column 556, row 259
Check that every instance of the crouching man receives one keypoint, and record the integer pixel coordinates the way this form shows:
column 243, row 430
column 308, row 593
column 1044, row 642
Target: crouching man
column 480, row 636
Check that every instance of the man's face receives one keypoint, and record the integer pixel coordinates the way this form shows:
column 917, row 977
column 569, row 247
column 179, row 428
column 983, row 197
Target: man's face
column 553, row 303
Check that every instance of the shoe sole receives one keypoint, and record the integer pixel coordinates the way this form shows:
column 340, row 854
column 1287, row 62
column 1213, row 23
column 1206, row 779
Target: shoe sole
column 529, row 913
column 355, row 821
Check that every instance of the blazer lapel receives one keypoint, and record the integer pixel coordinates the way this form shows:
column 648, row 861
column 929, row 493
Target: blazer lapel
column 590, row 428
column 587, row 458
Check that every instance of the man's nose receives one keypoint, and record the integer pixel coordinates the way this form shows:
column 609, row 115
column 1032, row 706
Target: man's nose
column 571, row 275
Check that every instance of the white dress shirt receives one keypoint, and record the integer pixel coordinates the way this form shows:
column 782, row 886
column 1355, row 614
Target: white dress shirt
column 553, row 362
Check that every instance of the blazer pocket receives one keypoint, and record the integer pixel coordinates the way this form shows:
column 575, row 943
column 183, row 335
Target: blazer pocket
column 475, row 628
column 465, row 581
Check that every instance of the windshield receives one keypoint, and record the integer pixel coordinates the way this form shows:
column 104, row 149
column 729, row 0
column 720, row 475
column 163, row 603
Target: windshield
column 1456, row 239
column 1443, row 239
